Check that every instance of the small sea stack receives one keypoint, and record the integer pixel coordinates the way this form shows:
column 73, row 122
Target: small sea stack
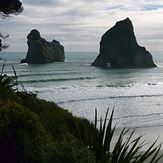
column 41, row 51
column 119, row 49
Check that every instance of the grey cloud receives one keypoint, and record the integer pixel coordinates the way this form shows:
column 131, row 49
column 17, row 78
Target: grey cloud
column 150, row 7
column 114, row 7
column 41, row 2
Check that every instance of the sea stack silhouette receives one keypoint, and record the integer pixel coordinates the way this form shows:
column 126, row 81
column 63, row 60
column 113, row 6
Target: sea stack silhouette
column 41, row 51
column 119, row 49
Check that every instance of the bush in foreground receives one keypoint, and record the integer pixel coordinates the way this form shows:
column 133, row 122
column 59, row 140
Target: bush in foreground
column 22, row 136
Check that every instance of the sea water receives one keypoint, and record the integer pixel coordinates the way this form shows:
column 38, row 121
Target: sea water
column 135, row 94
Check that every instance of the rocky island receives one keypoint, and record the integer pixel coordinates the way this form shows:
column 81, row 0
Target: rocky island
column 119, row 48
column 41, row 51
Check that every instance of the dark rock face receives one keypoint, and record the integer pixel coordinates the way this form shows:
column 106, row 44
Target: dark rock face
column 119, row 48
column 41, row 51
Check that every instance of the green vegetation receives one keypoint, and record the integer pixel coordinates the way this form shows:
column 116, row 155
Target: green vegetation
column 22, row 136
column 10, row 7
column 124, row 151
column 34, row 130
column 8, row 84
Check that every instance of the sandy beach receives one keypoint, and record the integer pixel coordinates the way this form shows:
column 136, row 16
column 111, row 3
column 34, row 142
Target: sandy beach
column 150, row 134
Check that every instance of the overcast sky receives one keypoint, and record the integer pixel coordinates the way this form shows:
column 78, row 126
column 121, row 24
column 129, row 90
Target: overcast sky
column 79, row 25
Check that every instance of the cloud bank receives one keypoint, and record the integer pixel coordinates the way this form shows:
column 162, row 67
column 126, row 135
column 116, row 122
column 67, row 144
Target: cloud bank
column 79, row 25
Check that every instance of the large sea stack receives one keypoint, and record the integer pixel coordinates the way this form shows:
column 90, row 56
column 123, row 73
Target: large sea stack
column 41, row 51
column 119, row 49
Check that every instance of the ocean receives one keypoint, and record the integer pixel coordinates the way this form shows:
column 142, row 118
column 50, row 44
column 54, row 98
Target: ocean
column 135, row 94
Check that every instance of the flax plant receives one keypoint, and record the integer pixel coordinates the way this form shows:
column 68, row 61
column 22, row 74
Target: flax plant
column 8, row 83
column 126, row 150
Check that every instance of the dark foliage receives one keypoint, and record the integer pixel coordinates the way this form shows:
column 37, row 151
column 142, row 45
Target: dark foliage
column 8, row 84
column 57, row 120
column 22, row 136
column 34, row 130
column 126, row 149
column 10, row 6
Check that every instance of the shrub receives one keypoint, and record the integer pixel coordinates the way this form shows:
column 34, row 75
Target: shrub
column 71, row 151
column 22, row 136
column 58, row 121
